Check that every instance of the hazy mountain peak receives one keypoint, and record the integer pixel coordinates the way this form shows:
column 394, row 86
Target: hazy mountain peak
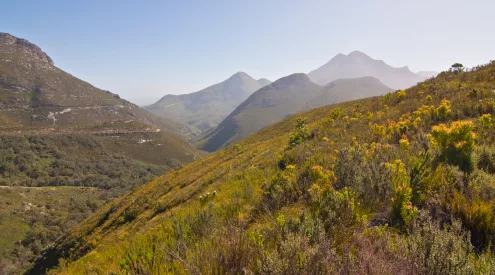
column 293, row 79
column 208, row 107
column 239, row 77
column 10, row 40
column 357, row 64
column 263, row 82
column 358, row 54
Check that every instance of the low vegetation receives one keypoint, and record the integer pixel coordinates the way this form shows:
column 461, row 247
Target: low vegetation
column 398, row 184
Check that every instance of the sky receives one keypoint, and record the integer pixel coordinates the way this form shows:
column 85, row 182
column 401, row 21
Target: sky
column 143, row 50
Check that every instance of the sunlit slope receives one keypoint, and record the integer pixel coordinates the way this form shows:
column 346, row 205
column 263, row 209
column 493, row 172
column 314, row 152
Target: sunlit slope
column 397, row 184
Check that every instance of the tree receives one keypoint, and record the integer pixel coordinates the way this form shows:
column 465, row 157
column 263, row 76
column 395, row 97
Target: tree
column 457, row 68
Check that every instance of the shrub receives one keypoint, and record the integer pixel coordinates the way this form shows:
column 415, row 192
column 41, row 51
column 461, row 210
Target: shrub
column 485, row 159
column 433, row 250
column 444, row 110
column 300, row 134
column 486, row 121
column 400, row 94
column 404, row 142
column 402, row 209
column 455, row 142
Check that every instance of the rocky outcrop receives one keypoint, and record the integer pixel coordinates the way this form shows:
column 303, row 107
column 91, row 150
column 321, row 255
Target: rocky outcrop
column 27, row 46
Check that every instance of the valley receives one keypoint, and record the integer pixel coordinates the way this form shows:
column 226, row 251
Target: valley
column 275, row 147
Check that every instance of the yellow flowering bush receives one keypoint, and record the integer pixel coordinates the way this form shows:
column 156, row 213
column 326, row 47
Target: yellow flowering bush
column 486, row 121
column 404, row 142
column 402, row 208
column 455, row 143
column 443, row 111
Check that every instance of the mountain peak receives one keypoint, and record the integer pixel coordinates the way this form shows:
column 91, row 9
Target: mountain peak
column 293, row 79
column 357, row 54
column 10, row 41
column 239, row 77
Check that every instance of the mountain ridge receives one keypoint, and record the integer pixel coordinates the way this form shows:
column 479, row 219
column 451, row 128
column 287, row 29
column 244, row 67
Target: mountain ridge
column 206, row 108
column 358, row 64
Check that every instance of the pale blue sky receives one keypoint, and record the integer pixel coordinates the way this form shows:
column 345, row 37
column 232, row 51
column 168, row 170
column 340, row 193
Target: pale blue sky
column 143, row 50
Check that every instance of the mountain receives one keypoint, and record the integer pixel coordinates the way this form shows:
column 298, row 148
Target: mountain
column 67, row 148
column 357, row 64
column 206, row 108
column 34, row 92
column 427, row 74
column 267, row 105
column 406, row 190
column 342, row 90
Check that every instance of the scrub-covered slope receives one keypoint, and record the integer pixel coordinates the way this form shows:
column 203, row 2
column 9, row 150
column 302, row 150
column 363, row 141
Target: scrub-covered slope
column 397, row 184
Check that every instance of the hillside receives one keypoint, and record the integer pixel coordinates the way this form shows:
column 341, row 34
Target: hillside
column 266, row 106
column 207, row 108
column 348, row 89
column 358, row 64
column 34, row 92
column 66, row 148
column 397, row 184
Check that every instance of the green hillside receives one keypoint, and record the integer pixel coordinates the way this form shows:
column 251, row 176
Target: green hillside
column 51, row 179
column 398, row 184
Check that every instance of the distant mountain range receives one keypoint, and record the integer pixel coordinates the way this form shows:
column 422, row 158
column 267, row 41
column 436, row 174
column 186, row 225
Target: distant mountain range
column 342, row 90
column 207, row 108
column 357, row 64
column 283, row 98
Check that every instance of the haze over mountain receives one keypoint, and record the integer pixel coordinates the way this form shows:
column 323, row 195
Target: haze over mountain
column 208, row 107
column 348, row 89
column 358, row 64
column 34, row 92
column 427, row 74
column 267, row 105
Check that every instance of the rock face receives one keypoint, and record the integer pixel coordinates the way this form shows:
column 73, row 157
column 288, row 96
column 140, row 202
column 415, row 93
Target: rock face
column 208, row 107
column 358, row 64
column 33, row 92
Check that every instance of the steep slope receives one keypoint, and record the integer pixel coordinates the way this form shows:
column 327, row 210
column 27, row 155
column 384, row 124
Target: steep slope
column 353, row 188
column 358, row 64
column 56, row 130
column 347, row 89
column 266, row 106
column 33, row 92
column 207, row 108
